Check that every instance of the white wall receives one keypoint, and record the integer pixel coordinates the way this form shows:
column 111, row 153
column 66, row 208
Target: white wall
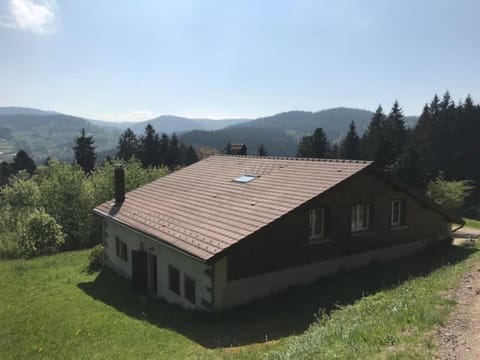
column 165, row 256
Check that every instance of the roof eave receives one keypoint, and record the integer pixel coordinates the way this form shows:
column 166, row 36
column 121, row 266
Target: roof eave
column 153, row 237
column 418, row 196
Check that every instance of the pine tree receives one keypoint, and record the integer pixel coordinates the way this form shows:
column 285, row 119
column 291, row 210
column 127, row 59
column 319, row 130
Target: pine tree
column 373, row 143
column 421, row 141
column 164, row 152
column 262, row 151
column 182, row 153
column 128, row 146
column 395, row 134
column 316, row 145
column 409, row 168
column 191, row 156
column 22, row 161
column 350, row 146
column 149, row 147
column 84, row 150
column 174, row 152
column 228, row 149
column 5, row 172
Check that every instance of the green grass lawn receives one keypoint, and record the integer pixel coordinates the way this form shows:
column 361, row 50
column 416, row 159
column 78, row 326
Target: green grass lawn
column 51, row 307
column 472, row 223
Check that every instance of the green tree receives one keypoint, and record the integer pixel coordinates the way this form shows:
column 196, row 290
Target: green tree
column 409, row 168
column 173, row 152
column 373, row 143
column 128, row 146
column 84, row 150
column 149, row 147
column 191, row 156
column 228, row 149
column 395, row 134
column 101, row 179
column 262, row 151
column 21, row 193
column 316, row 145
column 22, row 161
column 449, row 194
column 164, row 152
column 350, row 146
column 41, row 235
column 68, row 197
column 5, row 172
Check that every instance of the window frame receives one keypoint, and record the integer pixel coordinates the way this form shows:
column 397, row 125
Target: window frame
column 186, row 291
column 174, row 271
column 312, row 223
column 356, row 221
column 398, row 214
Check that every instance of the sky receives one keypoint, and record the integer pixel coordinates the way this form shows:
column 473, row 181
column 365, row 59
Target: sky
column 133, row 60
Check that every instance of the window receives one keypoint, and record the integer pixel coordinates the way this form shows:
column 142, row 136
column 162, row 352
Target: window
column 396, row 218
column 121, row 248
column 189, row 287
column 245, row 179
column 174, row 280
column 360, row 217
column 316, row 223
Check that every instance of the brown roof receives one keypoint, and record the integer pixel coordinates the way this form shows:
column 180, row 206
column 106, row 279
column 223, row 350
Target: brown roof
column 202, row 210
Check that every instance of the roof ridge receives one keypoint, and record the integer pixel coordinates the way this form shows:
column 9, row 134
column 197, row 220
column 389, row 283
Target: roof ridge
column 350, row 161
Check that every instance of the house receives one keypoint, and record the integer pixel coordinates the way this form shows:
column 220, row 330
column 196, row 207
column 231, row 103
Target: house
column 238, row 149
column 229, row 229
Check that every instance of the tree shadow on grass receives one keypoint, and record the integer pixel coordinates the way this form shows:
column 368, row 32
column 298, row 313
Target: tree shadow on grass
column 285, row 314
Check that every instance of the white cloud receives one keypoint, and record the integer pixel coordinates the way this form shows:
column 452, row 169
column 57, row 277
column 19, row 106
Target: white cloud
column 37, row 16
column 135, row 116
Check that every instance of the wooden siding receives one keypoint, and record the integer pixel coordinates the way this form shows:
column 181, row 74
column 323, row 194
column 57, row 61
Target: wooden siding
column 285, row 243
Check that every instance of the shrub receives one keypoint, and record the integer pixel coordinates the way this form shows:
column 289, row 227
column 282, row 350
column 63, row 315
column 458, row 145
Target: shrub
column 449, row 194
column 68, row 197
column 41, row 235
column 96, row 258
column 9, row 247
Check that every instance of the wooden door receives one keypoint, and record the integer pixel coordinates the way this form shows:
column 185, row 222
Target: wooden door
column 140, row 270
column 153, row 274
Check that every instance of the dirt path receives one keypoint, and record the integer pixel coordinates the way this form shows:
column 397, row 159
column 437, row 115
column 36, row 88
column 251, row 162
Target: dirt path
column 460, row 337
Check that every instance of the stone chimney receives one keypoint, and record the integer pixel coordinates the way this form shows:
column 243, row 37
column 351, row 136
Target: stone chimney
column 119, row 184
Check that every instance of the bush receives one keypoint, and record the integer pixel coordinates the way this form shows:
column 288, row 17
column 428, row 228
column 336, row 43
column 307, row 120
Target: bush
column 450, row 194
column 41, row 235
column 96, row 258
column 68, row 197
column 9, row 247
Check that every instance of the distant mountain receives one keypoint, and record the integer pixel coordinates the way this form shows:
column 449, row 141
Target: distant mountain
column 123, row 125
column 49, row 134
column 281, row 133
column 334, row 122
column 277, row 141
column 15, row 110
column 170, row 124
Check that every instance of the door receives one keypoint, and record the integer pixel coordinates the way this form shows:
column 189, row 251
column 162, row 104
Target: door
column 140, row 270
column 152, row 278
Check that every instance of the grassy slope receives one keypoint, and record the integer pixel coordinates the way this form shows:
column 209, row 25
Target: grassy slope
column 51, row 308
column 472, row 223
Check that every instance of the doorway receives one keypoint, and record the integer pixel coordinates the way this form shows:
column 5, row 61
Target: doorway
column 144, row 271
column 152, row 273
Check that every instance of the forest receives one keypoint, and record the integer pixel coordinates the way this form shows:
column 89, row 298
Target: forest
column 45, row 208
column 442, row 149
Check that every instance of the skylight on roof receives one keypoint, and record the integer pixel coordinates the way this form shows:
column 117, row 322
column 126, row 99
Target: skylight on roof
column 245, row 179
